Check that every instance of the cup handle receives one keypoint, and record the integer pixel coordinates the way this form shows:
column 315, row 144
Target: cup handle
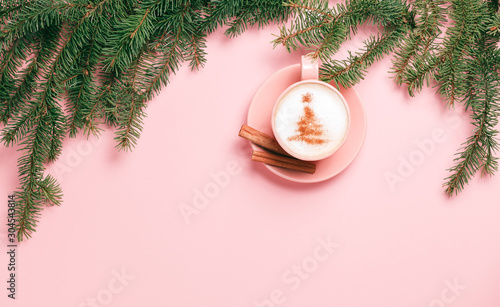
column 308, row 68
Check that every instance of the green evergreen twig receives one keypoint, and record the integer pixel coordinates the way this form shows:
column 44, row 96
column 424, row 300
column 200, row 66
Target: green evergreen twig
column 108, row 58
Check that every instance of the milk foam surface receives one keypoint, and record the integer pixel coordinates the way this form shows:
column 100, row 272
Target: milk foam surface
column 311, row 120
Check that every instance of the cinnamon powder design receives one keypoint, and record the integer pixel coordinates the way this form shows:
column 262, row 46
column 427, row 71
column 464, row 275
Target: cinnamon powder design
column 309, row 129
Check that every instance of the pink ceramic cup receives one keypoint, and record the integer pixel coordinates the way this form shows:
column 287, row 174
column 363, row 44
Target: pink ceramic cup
column 309, row 75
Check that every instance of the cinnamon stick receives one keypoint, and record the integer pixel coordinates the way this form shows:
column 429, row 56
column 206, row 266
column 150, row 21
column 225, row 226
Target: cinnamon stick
column 284, row 162
column 261, row 139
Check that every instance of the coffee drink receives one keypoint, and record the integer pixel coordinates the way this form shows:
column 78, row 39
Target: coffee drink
column 311, row 120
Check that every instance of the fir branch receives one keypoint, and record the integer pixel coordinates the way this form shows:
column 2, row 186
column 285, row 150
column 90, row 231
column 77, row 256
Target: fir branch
column 467, row 30
column 446, row 66
column 9, row 10
column 77, row 101
column 293, row 38
column 172, row 57
column 461, row 72
column 238, row 15
column 313, row 22
column 94, row 112
column 129, row 112
column 50, row 191
column 331, row 42
column 18, row 128
column 38, row 141
column 403, row 58
column 13, row 78
column 494, row 25
column 8, row 60
column 109, row 57
column 129, row 124
column 430, row 16
column 112, row 98
column 103, row 106
column 21, row 93
column 219, row 13
column 351, row 71
column 239, row 24
column 197, row 54
column 131, row 35
column 35, row 190
column 323, row 29
column 40, row 15
column 320, row 7
column 421, row 72
column 29, row 204
column 48, row 99
column 91, row 33
column 39, row 128
column 479, row 149
column 81, row 85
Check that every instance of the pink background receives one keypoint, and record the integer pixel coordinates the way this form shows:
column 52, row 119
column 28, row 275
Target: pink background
column 404, row 244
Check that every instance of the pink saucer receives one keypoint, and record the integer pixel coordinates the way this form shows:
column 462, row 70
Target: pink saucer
column 259, row 117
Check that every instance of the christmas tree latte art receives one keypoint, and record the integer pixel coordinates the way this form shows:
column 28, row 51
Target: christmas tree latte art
column 309, row 129
column 311, row 121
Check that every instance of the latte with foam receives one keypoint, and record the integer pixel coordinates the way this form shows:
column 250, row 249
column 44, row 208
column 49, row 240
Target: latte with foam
column 311, row 120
